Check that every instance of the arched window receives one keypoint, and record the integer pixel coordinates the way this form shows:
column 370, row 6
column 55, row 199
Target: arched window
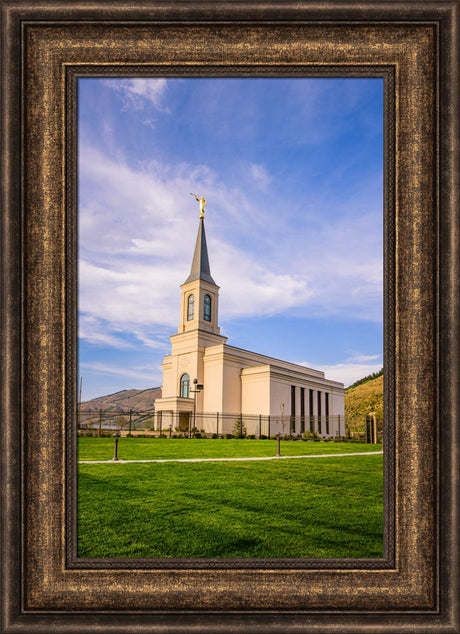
column 207, row 308
column 190, row 307
column 185, row 386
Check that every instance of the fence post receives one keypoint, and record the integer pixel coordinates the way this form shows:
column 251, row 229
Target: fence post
column 100, row 423
column 130, row 420
column 269, row 425
column 260, row 425
column 217, row 424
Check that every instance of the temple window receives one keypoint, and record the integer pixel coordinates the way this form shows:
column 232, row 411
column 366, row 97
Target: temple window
column 190, row 307
column 185, row 386
column 207, row 308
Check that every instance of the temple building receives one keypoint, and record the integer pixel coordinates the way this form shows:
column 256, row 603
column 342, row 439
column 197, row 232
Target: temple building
column 209, row 385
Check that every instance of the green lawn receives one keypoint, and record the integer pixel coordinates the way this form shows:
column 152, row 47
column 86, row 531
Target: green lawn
column 164, row 448
column 330, row 507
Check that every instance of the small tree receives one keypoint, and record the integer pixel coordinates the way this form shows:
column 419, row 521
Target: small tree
column 121, row 422
column 239, row 428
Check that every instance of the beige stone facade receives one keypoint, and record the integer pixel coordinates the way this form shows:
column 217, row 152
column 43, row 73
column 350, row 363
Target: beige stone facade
column 209, row 385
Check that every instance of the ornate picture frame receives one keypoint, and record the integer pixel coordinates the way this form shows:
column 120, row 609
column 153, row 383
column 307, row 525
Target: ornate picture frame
column 45, row 48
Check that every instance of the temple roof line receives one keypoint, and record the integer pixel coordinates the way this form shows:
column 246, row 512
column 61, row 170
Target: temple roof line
column 200, row 265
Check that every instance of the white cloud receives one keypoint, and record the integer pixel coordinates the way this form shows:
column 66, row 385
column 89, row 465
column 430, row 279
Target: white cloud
column 350, row 370
column 250, row 288
column 260, row 175
column 145, row 374
column 94, row 330
column 136, row 92
column 363, row 358
column 137, row 234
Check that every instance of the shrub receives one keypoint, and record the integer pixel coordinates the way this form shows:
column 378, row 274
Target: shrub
column 251, row 436
column 239, row 428
column 262, row 437
column 162, row 436
column 214, row 436
column 197, row 435
column 229, row 436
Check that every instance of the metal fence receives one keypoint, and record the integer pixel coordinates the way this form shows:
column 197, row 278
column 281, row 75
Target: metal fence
column 111, row 420
column 209, row 424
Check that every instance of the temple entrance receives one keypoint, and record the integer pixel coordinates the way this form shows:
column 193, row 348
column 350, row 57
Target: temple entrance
column 184, row 421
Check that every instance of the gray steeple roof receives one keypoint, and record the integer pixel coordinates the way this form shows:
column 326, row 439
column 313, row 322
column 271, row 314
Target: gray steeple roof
column 200, row 264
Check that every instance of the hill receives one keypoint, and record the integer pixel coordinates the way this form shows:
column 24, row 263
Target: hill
column 361, row 398
column 137, row 400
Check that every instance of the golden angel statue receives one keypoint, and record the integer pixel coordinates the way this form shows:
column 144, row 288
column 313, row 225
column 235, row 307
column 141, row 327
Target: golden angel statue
column 203, row 203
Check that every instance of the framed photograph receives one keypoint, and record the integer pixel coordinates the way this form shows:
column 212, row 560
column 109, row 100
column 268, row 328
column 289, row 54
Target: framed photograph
column 166, row 352
column 64, row 68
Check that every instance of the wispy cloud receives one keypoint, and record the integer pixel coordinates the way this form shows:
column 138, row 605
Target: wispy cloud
column 95, row 330
column 351, row 369
column 260, row 175
column 135, row 93
column 137, row 238
column 143, row 374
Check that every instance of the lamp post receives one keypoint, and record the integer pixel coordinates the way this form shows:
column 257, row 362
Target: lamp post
column 115, row 449
column 198, row 387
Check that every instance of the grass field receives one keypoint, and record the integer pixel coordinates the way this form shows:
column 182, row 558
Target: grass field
column 331, row 507
column 170, row 448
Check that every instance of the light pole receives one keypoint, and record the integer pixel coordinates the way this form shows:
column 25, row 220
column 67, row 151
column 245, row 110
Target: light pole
column 198, row 388
column 282, row 406
column 115, row 449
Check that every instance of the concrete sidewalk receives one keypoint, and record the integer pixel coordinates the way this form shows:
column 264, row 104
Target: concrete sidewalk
column 327, row 455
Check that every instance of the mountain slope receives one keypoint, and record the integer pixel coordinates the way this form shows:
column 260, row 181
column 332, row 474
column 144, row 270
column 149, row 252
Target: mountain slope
column 361, row 400
column 137, row 400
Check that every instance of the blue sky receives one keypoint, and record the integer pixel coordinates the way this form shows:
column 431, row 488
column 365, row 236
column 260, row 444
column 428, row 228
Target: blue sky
column 292, row 170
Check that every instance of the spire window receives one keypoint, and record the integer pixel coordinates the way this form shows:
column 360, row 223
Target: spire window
column 185, row 385
column 207, row 308
column 190, row 307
